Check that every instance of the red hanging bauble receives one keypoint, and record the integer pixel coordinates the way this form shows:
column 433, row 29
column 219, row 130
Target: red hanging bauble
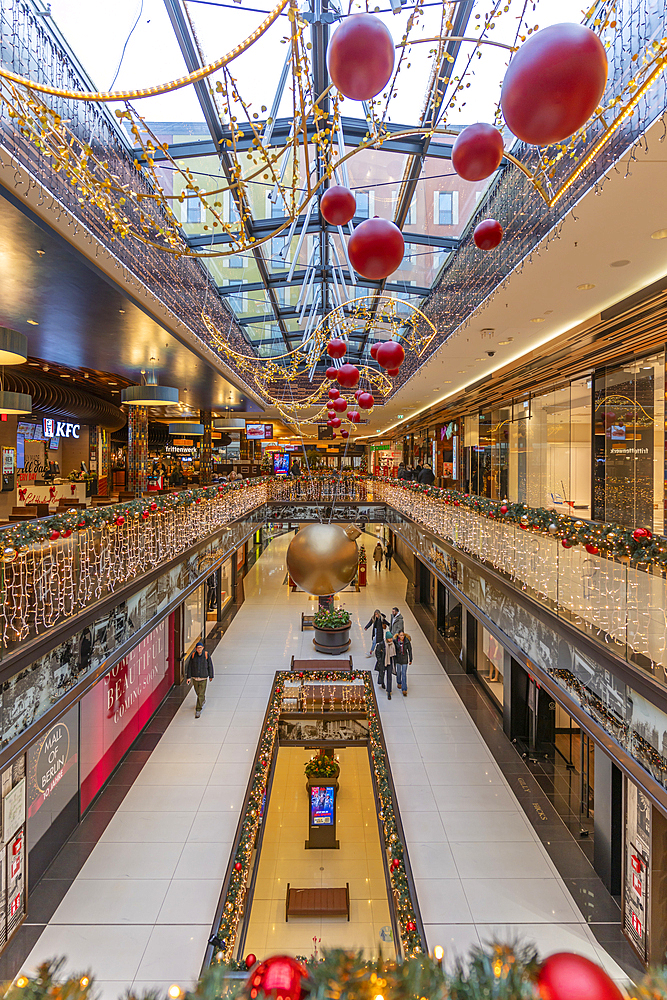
column 338, row 205
column 366, row 401
column 145, row 514
column 374, row 351
column 360, row 57
column 348, row 376
column 411, row 926
column 331, row 414
column 358, row 392
column 393, row 372
column 66, row 533
column 238, row 867
column 566, row 544
column 120, row 520
column 336, row 347
column 340, row 405
column 334, row 393
column 487, row 234
column 336, row 422
column 54, row 536
column 250, row 960
column 345, row 434
column 279, row 976
column 554, row 83
column 565, row 976
column 376, row 248
column 477, row 152
column 153, row 507
column 331, row 373
column 390, row 355
column 354, row 416
column 592, row 549
column 329, row 422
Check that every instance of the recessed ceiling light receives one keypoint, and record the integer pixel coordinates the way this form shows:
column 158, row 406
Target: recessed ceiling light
column 64, row 376
column 585, row 287
column 538, row 319
column 45, row 368
column 33, row 322
column 659, row 234
column 548, row 312
column 122, row 312
column 40, row 252
column 619, row 263
column 503, row 343
column 462, row 371
column 113, row 383
column 86, row 376
column 479, row 359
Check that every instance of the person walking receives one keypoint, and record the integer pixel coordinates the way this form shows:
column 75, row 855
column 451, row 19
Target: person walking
column 388, row 555
column 295, row 471
column 377, row 556
column 199, row 670
column 403, row 473
column 386, row 668
column 417, row 473
column 426, row 476
column 380, row 653
column 396, row 623
column 402, row 660
column 378, row 621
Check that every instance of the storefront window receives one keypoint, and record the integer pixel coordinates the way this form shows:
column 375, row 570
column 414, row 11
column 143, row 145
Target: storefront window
column 490, row 662
column 193, row 618
column 226, row 583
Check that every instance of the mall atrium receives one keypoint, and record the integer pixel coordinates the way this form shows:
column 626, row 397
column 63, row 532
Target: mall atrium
column 333, row 606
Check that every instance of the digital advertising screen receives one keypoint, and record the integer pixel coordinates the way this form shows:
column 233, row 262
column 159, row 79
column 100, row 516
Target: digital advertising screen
column 322, row 806
column 54, row 444
column 255, row 432
column 281, row 464
column 268, row 432
column 26, row 429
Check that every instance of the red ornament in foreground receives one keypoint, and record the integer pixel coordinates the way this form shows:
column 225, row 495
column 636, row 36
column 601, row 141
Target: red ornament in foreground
column 331, row 373
column 376, row 248
column 488, row 234
column 360, row 57
column 348, row 376
column 390, row 355
column 366, row 401
column 336, row 347
column 338, row 205
column 374, row 351
column 340, row 405
column 279, row 976
column 477, row 152
column 554, row 83
column 565, row 976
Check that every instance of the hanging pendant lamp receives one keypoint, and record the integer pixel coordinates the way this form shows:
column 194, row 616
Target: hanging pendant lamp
column 186, row 429
column 150, row 393
column 13, row 347
column 15, row 402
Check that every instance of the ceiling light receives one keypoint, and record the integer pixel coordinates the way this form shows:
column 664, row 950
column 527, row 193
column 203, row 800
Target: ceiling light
column 122, row 312
column 45, row 368
column 86, row 375
column 113, row 383
column 150, row 394
column 585, row 287
column 503, row 343
column 538, row 319
column 462, row 372
column 659, row 234
column 15, row 402
column 13, row 347
column 190, row 430
column 33, row 322
column 40, row 252
column 479, row 359
column 619, row 263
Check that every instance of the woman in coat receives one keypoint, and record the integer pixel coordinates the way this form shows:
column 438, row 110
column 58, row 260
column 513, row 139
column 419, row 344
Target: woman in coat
column 377, row 556
column 387, row 669
column 402, row 659
column 378, row 621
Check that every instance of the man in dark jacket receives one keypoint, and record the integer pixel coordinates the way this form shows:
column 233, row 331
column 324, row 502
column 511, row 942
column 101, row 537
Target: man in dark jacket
column 403, row 473
column 417, row 473
column 426, row 476
column 199, row 670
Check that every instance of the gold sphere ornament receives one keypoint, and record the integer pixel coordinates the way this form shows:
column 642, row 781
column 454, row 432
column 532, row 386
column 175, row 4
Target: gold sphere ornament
column 322, row 558
column 9, row 554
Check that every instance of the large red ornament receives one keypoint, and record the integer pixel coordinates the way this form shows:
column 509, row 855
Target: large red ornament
column 477, row 152
column 639, row 534
column 279, row 976
column 336, row 422
column 360, row 57
column 348, row 376
column 331, row 373
column 340, row 405
column 554, row 83
column 376, row 248
column 374, row 351
column 345, row 434
column 334, row 393
column 336, row 347
column 366, row 401
column 338, row 205
column 390, row 355
column 487, row 234
column 354, row 416
column 565, row 976
column 250, row 961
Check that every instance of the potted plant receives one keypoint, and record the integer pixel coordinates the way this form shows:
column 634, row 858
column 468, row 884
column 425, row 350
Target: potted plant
column 323, row 769
column 332, row 630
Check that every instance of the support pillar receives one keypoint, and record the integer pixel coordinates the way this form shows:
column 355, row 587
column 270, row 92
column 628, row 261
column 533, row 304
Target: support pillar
column 206, row 460
column 137, row 449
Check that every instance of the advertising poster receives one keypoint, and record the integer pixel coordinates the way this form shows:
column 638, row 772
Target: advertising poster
column 281, row 464
column 322, row 806
column 637, row 863
column 255, row 432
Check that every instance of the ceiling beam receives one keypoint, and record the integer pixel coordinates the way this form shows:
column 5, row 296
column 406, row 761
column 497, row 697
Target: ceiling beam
column 264, row 227
column 280, row 281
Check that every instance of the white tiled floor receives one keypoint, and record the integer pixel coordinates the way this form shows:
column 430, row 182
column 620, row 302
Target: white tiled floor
column 140, row 912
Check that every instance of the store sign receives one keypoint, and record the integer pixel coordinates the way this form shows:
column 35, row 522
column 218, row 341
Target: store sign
column 178, row 449
column 52, row 759
column 58, row 428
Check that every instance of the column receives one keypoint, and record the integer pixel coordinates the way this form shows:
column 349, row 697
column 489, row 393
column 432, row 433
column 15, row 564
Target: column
column 205, row 461
column 137, row 449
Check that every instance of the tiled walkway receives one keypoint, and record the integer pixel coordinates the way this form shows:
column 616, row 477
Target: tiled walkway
column 140, row 911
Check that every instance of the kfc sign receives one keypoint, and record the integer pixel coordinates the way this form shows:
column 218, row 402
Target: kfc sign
column 58, row 428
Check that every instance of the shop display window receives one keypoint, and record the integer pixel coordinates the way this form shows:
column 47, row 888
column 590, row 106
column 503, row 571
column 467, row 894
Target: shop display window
column 491, row 662
column 116, row 709
column 225, row 583
column 193, row 618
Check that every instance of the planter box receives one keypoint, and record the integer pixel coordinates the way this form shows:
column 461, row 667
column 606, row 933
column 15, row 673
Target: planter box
column 332, row 640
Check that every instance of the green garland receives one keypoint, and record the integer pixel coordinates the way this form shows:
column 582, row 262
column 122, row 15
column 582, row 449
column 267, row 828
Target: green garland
column 336, row 618
column 225, row 938
column 322, row 766
column 639, row 545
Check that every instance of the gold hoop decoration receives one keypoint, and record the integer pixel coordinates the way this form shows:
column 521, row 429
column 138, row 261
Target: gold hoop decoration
column 101, row 96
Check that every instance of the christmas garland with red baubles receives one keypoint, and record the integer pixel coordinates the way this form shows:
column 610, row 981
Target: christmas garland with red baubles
column 639, row 545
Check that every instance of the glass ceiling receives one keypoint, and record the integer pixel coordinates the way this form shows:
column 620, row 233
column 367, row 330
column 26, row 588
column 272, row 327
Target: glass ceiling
column 133, row 43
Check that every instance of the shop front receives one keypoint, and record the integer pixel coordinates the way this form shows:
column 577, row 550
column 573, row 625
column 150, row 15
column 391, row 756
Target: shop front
column 55, row 463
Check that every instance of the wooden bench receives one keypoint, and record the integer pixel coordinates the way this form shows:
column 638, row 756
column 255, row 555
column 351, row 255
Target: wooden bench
column 317, row 902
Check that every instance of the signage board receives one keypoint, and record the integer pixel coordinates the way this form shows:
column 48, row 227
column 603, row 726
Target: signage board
column 52, row 428
column 258, row 432
column 322, row 805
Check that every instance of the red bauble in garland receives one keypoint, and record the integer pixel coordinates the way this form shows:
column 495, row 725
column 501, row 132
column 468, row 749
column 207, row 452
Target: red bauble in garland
column 360, row 57
column 366, row 401
column 376, row 248
column 639, row 534
column 487, row 234
column 390, row 355
column 503, row 509
column 145, row 514
column 565, row 976
column 592, row 550
column 238, row 867
column 54, row 536
column 331, row 373
column 250, row 960
column 477, row 152
column 411, row 926
column 566, row 543
column 340, row 405
column 554, row 83
column 336, row 422
column 331, row 414
column 348, row 376
column 120, row 521
column 153, row 507
column 279, row 976
column 336, row 347
column 66, row 533
column 338, row 206
column 374, row 351
column 354, row 416
column 334, row 393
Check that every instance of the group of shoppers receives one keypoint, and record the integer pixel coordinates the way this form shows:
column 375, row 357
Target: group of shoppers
column 392, row 648
column 379, row 554
column 420, row 473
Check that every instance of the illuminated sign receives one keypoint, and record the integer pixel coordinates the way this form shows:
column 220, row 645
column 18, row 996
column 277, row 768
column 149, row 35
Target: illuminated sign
column 59, row 428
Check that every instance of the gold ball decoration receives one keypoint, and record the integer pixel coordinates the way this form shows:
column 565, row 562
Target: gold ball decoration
column 322, row 559
column 9, row 554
